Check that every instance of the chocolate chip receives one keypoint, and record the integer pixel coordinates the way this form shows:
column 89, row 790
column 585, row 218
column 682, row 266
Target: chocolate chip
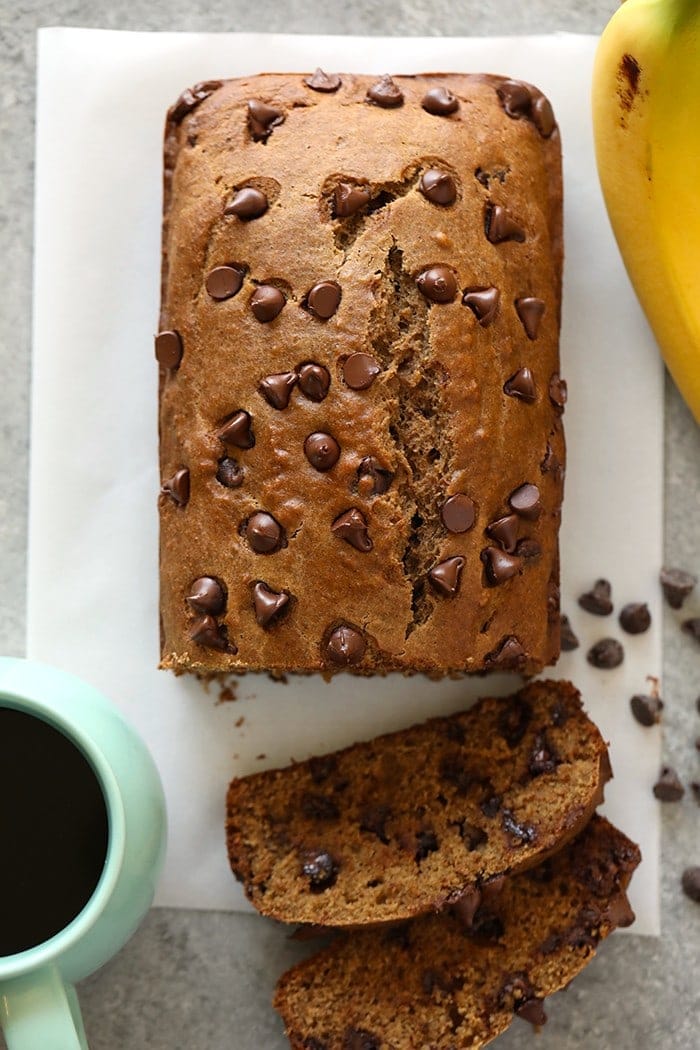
column 320, row 81
column 499, row 566
column 499, row 226
column 513, row 720
column 509, row 655
column 439, row 102
column 668, row 787
column 569, row 641
column 267, row 302
column 491, row 803
column 237, row 430
column 606, row 654
column 169, row 349
column 690, row 881
column 247, row 203
column 483, row 302
column 267, row 603
column 550, row 464
column 543, row 116
column 190, row 99
column 206, row 632
column 522, row 833
column 521, row 385
column 360, row 1039
column 360, row 371
column 505, row 532
column 553, row 600
column 177, row 488
column 437, row 186
column 223, row 282
column 458, row 513
column 324, row 299
column 380, row 477
column 229, row 473
column 426, row 842
column 558, row 391
column 207, row 596
column 373, row 820
column 438, row 284
column 646, row 709
column 676, row 585
column 277, row 389
column 351, row 526
column 262, row 119
column 515, row 98
column 318, row 807
column 385, row 93
column 692, row 627
column 472, row 836
column 597, row 600
column 322, row 451
column 348, row 199
column 525, row 501
column 345, row 645
column 445, row 576
column 320, row 869
column 528, row 548
column 264, row 534
column 314, row 381
column 635, row 618
column 532, row 1010
column 544, row 757
column 530, row 311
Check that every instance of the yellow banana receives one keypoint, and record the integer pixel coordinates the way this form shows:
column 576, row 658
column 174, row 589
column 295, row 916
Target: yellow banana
column 646, row 122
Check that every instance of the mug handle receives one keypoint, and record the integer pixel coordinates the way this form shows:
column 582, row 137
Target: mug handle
column 41, row 1010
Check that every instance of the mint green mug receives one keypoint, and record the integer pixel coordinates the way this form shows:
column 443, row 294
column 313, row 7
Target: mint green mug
column 79, row 873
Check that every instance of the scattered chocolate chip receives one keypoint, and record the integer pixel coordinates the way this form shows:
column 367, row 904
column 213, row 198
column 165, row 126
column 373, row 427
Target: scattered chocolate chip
column 676, row 585
column 208, row 633
column 360, row 371
column 437, row 186
column 322, row 451
column 237, row 431
column 692, row 627
column 320, row 81
column 190, row 98
column 345, row 645
column 445, row 576
column 458, row 513
column 499, row 226
column 499, row 566
column 528, row 548
column 438, row 284
column 505, row 532
column 521, row 385
column 635, row 618
column 560, row 714
column 553, row 600
column 324, row 299
column 558, row 391
column 229, row 473
column 483, row 302
column 509, row 655
column 646, row 709
column 262, row 119
column 380, row 477
column 491, row 803
column 550, row 463
column 690, row 881
column 525, row 501
column 426, row 842
column 439, row 102
column 466, row 905
column 373, row 820
column 348, row 199
column 513, row 720
column 472, row 836
column 569, row 641
column 522, row 833
column 177, row 488
column 668, row 787
column 487, row 928
column 597, row 600
column 385, row 93
column 532, row 1010
column 267, row 603
column 314, row 381
column 318, row 807
column 223, row 282
column 360, row 1039
column 544, row 757
column 543, row 116
column 264, row 534
column 351, row 526
column 320, row 869
column 267, row 302
column 207, row 596
column 530, row 311
column 169, row 349
column 277, row 389
column 606, row 654
column 247, row 203
column 515, row 97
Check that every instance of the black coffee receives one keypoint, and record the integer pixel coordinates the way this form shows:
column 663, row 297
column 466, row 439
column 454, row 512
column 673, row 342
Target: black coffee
column 53, row 831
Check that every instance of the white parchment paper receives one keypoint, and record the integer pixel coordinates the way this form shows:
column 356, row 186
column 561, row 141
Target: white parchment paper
column 93, row 575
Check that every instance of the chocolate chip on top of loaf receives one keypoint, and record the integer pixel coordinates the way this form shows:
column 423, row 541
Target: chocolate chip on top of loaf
column 360, row 398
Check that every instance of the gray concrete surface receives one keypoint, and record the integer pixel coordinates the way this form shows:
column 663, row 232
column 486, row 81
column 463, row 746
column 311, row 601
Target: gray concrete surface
column 203, row 980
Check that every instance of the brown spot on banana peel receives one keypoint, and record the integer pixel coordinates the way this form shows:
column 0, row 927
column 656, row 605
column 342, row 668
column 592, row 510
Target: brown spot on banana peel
column 628, row 76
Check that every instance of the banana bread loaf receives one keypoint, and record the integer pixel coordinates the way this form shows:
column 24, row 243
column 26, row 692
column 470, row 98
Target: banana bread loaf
column 361, row 447
column 446, row 981
column 413, row 820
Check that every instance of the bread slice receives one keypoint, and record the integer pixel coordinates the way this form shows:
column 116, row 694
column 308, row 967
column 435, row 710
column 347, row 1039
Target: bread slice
column 439, row 983
column 409, row 822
